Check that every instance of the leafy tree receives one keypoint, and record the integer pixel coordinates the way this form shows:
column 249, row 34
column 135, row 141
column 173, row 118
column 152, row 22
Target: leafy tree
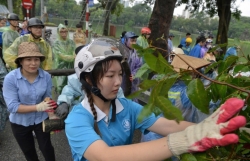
column 223, row 8
column 223, row 87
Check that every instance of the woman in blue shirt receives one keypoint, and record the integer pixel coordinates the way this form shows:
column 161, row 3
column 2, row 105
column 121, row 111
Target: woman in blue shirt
column 100, row 126
column 24, row 91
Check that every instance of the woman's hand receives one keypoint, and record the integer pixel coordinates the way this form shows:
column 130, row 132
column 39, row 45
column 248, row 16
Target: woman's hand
column 47, row 106
column 213, row 131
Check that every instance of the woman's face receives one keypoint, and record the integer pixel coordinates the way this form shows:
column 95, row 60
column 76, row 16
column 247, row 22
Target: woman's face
column 36, row 30
column 111, row 81
column 30, row 65
column 130, row 42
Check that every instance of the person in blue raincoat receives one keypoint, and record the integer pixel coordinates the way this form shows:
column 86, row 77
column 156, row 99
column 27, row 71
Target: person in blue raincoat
column 232, row 51
column 187, row 46
column 134, row 61
column 196, row 51
column 183, row 40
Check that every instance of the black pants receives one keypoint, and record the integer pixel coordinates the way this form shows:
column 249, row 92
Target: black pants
column 25, row 139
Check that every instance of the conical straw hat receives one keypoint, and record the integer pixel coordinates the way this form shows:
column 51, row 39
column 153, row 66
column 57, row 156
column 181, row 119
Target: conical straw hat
column 179, row 63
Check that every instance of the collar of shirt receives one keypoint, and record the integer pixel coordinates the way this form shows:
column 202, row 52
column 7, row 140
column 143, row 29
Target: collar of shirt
column 100, row 114
column 19, row 74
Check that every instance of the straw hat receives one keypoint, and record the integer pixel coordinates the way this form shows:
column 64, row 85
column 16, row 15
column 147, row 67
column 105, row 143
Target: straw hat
column 179, row 63
column 28, row 49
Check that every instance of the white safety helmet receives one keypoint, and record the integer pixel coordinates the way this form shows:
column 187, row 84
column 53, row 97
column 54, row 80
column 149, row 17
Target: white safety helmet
column 98, row 50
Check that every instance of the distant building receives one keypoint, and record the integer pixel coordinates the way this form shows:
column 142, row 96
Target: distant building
column 185, row 14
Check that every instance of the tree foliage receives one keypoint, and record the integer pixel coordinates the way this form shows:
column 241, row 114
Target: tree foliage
column 223, row 8
column 223, row 87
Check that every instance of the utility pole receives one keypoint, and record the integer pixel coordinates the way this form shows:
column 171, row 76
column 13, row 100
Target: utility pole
column 87, row 17
column 10, row 6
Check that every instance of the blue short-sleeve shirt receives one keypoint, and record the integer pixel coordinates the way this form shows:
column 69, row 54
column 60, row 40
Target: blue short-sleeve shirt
column 79, row 126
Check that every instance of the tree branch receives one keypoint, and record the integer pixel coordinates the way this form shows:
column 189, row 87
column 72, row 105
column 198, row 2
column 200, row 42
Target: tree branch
column 217, row 82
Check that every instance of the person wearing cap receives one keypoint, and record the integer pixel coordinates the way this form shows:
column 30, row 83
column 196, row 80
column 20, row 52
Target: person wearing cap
column 79, row 36
column 187, row 47
column 183, row 40
column 206, row 47
column 35, row 27
column 101, row 127
column 142, row 40
column 24, row 91
column 134, row 61
column 170, row 43
column 232, row 51
column 63, row 52
column 10, row 34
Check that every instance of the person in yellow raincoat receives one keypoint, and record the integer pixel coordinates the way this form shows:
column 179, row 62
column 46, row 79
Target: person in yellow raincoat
column 64, row 54
column 79, row 36
column 10, row 33
column 35, row 27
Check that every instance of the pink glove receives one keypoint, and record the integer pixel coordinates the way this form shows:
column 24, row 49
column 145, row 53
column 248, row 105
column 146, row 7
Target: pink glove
column 213, row 131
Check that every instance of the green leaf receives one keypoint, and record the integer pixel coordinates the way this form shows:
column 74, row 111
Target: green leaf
column 212, row 66
column 146, row 84
column 188, row 157
column 239, row 68
column 142, row 70
column 200, row 156
column 165, row 85
column 238, row 148
column 158, row 64
column 186, row 77
column 246, row 151
column 146, row 111
column 135, row 94
column 169, row 111
column 227, row 63
column 198, row 95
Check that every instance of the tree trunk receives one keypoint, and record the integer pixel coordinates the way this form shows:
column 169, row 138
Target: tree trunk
column 224, row 13
column 106, row 18
column 160, row 22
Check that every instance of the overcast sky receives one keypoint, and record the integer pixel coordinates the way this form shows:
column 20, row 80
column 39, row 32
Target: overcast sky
column 243, row 6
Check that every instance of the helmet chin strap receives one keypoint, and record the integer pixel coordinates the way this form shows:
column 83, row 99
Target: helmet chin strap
column 96, row 91
column 13, row 25
column 34, row 36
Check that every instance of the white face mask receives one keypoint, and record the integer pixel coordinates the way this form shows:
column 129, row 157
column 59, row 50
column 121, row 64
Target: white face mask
column 209, row 46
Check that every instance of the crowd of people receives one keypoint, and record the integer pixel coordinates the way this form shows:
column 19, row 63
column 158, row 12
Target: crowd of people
column 204, row 48
column 96, row 113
